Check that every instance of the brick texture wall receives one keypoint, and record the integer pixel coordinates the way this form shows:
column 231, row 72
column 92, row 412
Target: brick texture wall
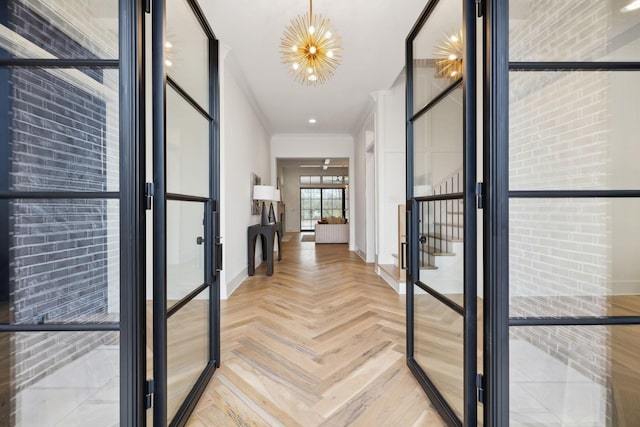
column 560, row 261
column 58, row 248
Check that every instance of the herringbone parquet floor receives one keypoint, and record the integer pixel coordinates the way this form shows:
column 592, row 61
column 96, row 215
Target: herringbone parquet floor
column 319, row 343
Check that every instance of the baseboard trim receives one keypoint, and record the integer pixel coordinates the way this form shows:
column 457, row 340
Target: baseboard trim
column 625, row 287
column 235, row 283
column 398, row 286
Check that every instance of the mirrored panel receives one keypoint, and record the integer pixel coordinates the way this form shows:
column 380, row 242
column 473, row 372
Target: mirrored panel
column 574, row 375
column 52, row 379
column 438, row 144
column 79, row 29
column 573, row 257
column 574, row 130
column 437, row 53
column 63, row 261
column 187, row 148
column 63, row 129
column 185, row 249
column 438, row 347
column 187, row 349
column 585, row 30
column 187, row 52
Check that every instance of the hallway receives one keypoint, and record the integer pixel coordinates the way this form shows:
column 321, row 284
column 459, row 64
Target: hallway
column 321, row 342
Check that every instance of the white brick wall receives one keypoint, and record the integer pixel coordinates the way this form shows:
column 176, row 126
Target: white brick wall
column 560, row 262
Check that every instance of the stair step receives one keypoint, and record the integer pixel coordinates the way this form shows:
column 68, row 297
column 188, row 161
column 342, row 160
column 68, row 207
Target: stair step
column 428, row 267
column 431, row 250
column 441, row 237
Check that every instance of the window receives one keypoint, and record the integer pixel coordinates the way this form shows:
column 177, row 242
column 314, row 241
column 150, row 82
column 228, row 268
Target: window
column 318, row 203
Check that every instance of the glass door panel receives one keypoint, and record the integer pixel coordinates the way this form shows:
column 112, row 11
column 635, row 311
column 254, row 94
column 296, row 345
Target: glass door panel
column 574, row 200
column 441, row 168
column 62, row 213
column 187, row 51
column 187, row 147
column 186, row 231
column 187, row 349
column 438, row 347
column 185, row 249
column 437, row 53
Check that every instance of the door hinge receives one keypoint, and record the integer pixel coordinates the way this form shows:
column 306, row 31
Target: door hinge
column 480, row 387
column 480, row 194
column 147, row 6
column 148, row 195
column 480, row 8
column 148, row 394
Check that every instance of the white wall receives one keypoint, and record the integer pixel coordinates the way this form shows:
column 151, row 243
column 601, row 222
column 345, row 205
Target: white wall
column 390, row 161
column 363, row 191
column 244, row 149
column 311, row 146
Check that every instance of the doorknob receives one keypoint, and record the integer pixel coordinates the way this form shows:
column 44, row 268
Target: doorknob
column 423, row 239
column 199, row 240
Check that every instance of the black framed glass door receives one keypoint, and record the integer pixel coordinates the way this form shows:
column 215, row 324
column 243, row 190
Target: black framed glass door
column 185, row 208
column 70, row 187
column 441, row 207
column 565, row 299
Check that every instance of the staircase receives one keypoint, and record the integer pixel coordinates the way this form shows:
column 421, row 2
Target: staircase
column 441, row 236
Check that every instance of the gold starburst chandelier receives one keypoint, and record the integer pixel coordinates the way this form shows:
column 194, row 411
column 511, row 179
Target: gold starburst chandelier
column 449, row 53
column 309, row 49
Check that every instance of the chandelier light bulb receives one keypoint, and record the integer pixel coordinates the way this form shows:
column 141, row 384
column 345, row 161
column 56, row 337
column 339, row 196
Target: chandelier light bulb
column 294, row 48
column 312, row 49
column 310, row 70
column 312, row 29
column 448, row 57
column 327, row 35
column 295, row 66
column 330, row 54
column 313, row 77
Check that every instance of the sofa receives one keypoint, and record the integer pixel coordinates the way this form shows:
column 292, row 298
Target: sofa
column 332, row 233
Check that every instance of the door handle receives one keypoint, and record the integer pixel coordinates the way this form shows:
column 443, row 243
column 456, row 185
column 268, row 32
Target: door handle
column 403, row 249
column 423, row 239
column 199, row 240
column 218, row 257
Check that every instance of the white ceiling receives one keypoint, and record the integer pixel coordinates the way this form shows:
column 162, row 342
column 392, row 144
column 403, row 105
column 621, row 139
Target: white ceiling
column 373, row 36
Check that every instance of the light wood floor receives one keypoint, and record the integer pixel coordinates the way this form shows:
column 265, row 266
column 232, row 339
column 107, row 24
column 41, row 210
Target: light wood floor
column 320, row 343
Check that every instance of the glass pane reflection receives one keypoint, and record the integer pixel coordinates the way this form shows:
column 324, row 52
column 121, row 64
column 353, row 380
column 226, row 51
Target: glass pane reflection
column 61, row 378
column 438, row 144
column 585, row 30
column 438, row 347
column 187, row 349
column 574, row 375
column 573, row 257
column 437, row 53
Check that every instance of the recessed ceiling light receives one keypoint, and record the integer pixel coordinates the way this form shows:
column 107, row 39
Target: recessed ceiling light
column 312, row 121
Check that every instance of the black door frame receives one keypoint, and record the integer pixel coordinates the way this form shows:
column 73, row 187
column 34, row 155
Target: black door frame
column 470, row 191
column 213, row 247
column 497, row 69
column 130, row 65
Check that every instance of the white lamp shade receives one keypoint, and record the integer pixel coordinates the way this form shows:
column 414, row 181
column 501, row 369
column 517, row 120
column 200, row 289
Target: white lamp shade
column 263, row 192
column 276, row 195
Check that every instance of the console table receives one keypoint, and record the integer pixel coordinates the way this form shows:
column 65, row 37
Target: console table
column 267, row 235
